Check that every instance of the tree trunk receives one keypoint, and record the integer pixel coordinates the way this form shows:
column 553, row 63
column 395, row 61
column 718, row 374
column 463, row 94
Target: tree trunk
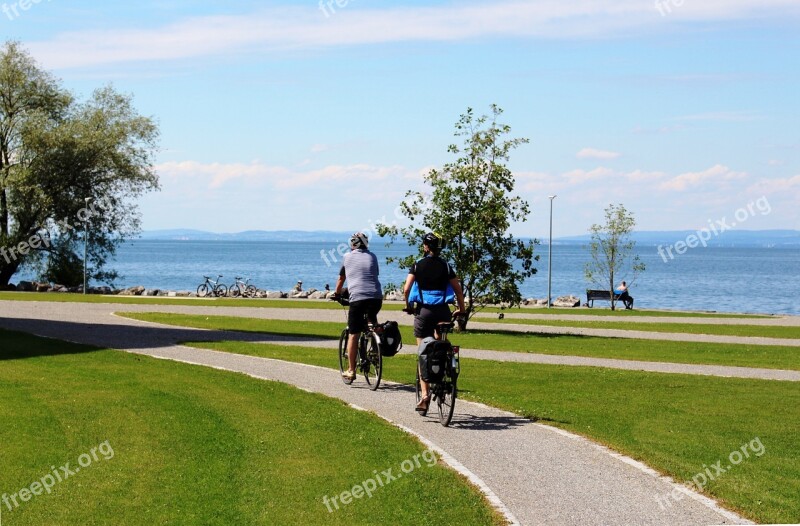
column 3, row 213
column 6, row 271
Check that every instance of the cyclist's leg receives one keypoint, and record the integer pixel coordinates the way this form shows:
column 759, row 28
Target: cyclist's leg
column 423, row 328
column 355, row 322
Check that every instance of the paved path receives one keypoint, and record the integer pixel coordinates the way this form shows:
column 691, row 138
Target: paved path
column 539, row 474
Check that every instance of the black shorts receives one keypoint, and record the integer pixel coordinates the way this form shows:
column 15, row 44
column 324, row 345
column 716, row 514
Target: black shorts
column 428, row 318
column 355, row 318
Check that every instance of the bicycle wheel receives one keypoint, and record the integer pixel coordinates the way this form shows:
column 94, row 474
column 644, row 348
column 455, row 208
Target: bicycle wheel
column 221, row 291
column 250, row 291
column 446, row 393
column 202, row 291
column 419, row 393
column 234, row 291
column 344, row 362
column 372, row 361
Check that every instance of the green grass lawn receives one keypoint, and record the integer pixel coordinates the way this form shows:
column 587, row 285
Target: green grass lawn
column 678, row 424
column 770, row 357
column 328, row 305
column 193, row 445
column 764, row 331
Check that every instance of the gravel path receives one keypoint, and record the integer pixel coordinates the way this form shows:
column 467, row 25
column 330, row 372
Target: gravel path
column 539, row 474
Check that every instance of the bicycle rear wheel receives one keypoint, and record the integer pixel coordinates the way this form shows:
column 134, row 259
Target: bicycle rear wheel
column 202, row 291
column 250, row 291
column 446, row 394
column 234, row 291
column 221, row 291
column 372, row 361
column 344, row 362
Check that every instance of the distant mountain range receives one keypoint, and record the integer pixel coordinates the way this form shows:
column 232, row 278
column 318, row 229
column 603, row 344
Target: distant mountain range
column 750, row 238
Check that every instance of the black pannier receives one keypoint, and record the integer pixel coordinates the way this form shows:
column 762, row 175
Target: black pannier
column 391, row 340
column 434, row 360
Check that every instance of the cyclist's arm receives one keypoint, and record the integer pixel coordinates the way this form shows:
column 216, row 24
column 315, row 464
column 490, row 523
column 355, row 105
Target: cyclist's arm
column 459, row 294
column 340, row 282
column 407, row 288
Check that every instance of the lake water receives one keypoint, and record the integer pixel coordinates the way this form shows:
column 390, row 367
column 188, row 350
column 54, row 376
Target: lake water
column 739, row 279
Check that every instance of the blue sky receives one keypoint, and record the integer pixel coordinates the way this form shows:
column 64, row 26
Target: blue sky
column 279, row 115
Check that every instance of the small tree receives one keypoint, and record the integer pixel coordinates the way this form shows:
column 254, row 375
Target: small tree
column 472, row 208
column 611, row 250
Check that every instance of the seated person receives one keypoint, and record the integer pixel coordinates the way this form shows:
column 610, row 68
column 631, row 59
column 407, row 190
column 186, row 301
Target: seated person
column 626, row 298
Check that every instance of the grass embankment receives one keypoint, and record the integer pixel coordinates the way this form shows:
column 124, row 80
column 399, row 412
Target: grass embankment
column 762, row 331
column 192, row 445
column 329, row 305
column 678, row 424
column 741, row 355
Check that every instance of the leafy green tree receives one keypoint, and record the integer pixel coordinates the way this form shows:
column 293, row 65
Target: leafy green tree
column 54, row 153
column 472, row 207
column 612, row 251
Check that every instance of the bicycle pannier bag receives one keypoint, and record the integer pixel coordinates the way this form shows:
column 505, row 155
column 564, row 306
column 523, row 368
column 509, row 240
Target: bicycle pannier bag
column 391, row 340
column 433, row 361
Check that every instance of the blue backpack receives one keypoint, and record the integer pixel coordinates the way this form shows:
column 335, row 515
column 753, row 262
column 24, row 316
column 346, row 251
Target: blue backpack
column 431, row 297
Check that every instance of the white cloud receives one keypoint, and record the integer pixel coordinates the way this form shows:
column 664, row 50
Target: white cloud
column 218, row 175
column 593, row 153
column 716, row 174
column 292, row 28
column 582, row 176
column 788, row 187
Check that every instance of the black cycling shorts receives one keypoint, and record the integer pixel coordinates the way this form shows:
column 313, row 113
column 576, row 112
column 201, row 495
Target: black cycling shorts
column 428, row 318
column 355, row 318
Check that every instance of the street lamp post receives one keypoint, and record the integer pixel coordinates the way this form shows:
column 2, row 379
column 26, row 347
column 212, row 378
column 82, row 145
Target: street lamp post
column 550, row 256
column 85, row 240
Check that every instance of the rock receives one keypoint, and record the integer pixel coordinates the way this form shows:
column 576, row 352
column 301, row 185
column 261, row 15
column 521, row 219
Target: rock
column 43, row 287
column 10, row 287
column 103, row 290
column 274, row 295
column 317, row 295
column 329, row 295
column 393, row 296
column 183, row 294
column 567, row 301
column 25, row 286
column 301, row 295
column 133, row 291
column 153, row 292
column 172, row 294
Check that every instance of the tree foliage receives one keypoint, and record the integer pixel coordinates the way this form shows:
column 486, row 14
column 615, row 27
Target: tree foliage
column 472, row 207
column 612, row 251
column 56, row 151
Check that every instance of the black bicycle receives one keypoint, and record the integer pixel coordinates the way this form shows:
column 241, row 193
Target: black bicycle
column 369, row 360
column 211, row 287
column 444, row 391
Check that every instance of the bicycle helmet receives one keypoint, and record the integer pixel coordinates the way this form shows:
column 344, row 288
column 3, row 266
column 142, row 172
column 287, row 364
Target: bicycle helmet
column 359, row 240
column 433, row 241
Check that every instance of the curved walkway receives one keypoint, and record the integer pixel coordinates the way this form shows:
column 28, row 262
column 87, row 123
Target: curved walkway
column 542, row 475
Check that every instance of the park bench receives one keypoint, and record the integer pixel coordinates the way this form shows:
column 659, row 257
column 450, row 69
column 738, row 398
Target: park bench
column 605, row 295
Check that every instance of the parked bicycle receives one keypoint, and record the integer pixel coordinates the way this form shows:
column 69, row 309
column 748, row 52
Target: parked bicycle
column 242, row 288
column 211, row 287
column 369, row 360
column 440, row 362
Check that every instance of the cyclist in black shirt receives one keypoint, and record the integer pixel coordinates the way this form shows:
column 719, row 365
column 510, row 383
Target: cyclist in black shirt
column 432, row 275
